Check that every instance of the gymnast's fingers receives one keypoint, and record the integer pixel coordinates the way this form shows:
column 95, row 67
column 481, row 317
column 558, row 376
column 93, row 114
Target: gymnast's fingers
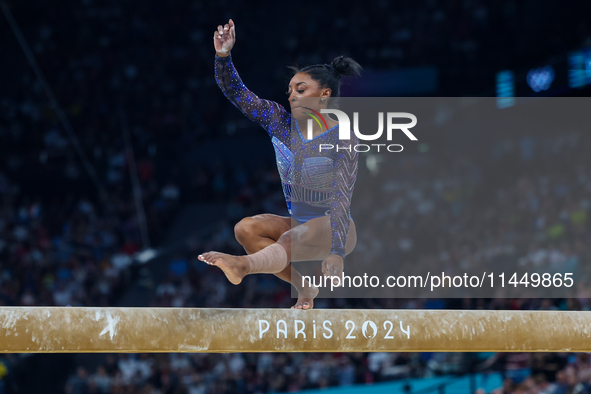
column 232, row 30
column 336, row 276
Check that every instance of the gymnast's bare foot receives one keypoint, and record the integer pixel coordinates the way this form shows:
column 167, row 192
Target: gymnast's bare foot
column 306, row 297
column 234, row 267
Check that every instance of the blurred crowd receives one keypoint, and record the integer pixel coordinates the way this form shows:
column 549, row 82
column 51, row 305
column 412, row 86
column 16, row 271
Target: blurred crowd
column 69, row 251
column 522, row 373
column 508, row 212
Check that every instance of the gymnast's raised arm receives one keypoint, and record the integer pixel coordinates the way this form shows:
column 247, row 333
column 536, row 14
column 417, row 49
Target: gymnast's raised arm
column 264, row 112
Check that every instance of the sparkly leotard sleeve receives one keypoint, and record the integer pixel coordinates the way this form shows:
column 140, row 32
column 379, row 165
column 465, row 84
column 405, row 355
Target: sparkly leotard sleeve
column 314, row 184
column 270, row 115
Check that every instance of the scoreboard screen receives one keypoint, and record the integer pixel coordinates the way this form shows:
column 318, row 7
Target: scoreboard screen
column 505, row 89
column 579, row 70
column 555, row 78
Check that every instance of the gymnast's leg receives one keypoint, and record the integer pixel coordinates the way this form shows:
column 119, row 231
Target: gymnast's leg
column 311, row 241
column 257, row 232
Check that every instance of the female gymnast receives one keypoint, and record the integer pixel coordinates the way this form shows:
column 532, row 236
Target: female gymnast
column 318, row 186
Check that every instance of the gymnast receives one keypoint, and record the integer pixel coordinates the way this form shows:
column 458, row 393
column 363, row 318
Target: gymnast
column 318, row 186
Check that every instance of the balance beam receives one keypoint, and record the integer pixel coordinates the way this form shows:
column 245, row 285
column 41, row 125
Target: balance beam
column 152, row 330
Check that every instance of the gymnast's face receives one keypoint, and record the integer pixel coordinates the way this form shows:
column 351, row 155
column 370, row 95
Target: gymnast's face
column 302, row 88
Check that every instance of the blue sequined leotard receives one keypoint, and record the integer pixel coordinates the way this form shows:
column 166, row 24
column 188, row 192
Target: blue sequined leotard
column 314, row 183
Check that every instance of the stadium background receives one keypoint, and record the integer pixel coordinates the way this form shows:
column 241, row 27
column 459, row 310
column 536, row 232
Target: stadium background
column 135, row 81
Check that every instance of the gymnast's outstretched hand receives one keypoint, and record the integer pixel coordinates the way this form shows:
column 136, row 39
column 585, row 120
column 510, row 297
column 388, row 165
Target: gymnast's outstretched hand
column 333, row 266
column 224, row 38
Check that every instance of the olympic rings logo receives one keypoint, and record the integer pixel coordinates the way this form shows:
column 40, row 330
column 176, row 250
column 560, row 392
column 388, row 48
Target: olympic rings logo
column 540, row 78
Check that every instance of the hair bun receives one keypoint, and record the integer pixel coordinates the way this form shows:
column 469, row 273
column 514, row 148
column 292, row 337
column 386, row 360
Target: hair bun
column 345, row 66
